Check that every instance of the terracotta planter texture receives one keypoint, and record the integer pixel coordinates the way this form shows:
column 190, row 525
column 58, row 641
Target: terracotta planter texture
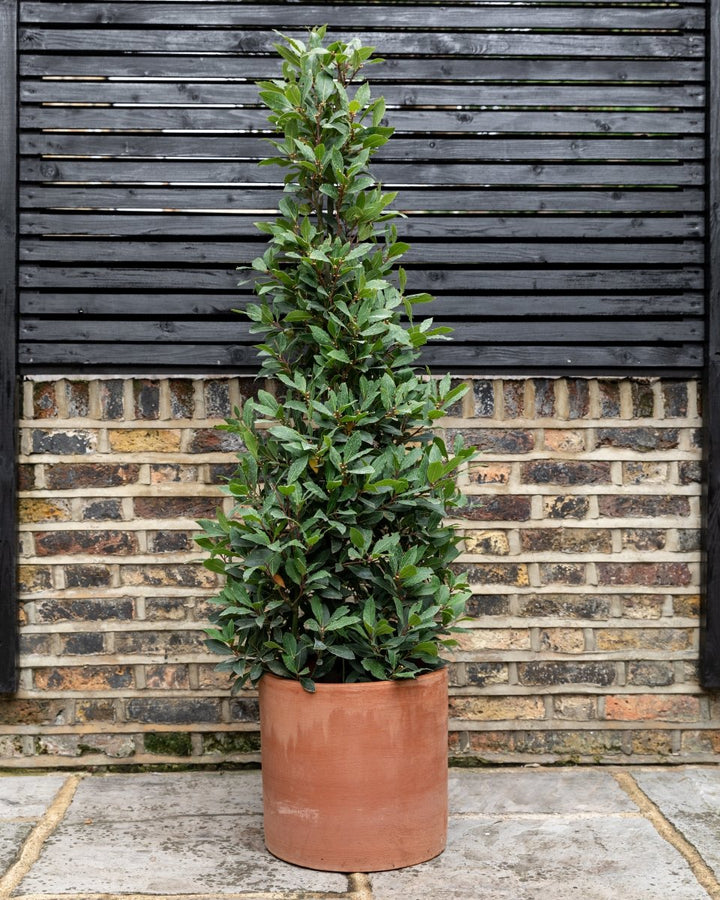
column 355, row 775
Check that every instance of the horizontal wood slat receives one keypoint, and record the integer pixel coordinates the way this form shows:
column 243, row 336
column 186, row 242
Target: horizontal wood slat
column 549, row 158
column 253, row 15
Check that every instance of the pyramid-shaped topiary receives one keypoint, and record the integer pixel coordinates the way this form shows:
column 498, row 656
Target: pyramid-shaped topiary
column 337, row 558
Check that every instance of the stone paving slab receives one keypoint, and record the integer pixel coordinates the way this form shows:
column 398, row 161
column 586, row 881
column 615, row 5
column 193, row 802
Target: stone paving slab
column 557, row 857
column 12, row 835
column 164, row 834
column 536, row 790
column 27, row 796
column 690, row 800
column 134, row 798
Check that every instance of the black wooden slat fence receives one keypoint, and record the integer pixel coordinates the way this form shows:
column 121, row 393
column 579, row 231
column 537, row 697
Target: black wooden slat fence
column 549, row 158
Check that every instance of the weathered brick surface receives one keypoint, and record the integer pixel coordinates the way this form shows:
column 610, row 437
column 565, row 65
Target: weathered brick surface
column 581, row 540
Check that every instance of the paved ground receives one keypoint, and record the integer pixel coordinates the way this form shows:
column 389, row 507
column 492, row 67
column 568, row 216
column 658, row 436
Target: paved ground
column 520, row 833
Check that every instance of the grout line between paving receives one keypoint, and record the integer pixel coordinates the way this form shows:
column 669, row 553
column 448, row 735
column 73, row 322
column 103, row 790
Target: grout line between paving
column 700, row 869
column 33, row 845
column 360, row 886
column 247, row 895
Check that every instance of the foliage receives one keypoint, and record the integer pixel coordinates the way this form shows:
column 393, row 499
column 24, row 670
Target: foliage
column 336, row 556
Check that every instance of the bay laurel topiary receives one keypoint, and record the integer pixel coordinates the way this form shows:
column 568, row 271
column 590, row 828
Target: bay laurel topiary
column 337, row 558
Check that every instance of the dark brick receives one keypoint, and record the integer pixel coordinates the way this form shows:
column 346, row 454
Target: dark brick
column 496, row 507
column 75, row 644
column 165, row 608
column 192, row 576
column 97, row 510
column 173, row 711
column 494, row 573
column 567, row 606
column 641, row 439
column 544, row 397
column 63, row 443
column 217, row 399
column 147, row 399
column 211, row 440
column 564, row 472
column 675, row 396
column 483, row 674
column 244, row 709
column 646, row 505
column 95, row 711
column 556, row 672
column 648, row 574
column 68, row 476
column 644, row 538
column 168, row 743
column 169, row 541
column 34, row 644
column 650, row 674
column 175, row 507
column 87, row 576
column 44, row 400
column 689, row 539
column 182, row 398
column 231, row 742
column 158, row 641
column 111, row 399
column 514, row 398
column 221, row 473
column 71, row 610
column 56, row 543
column 456, row 408
column 609, row 399
column 488, row 605
column 495, row 440
column 571, row 744
column 26, row 478
column 643, row 399
column 569, row 507
column 562, row 573
column 578, row 398
column 78, row 398
column 690, row 472
column 566, row 540
column 484, row 399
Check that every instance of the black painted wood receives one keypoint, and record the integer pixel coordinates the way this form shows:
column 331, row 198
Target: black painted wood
column 710, row 643
column 550, row 161
column 8, row 375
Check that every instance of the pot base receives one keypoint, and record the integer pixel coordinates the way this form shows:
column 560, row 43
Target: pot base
column 355, row 775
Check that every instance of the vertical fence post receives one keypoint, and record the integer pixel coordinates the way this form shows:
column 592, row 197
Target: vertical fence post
column 710, row 662
column 8, row 366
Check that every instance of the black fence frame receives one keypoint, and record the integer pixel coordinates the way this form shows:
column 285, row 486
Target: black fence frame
column 710, row 657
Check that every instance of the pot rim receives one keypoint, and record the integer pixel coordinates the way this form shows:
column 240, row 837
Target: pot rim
column 386, row 684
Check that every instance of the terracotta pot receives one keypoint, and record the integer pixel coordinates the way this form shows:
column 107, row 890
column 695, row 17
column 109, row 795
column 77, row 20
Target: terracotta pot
column 355, row 775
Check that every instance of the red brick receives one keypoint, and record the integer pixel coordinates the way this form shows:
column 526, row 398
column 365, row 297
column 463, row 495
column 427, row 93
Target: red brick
column 68, row 476
column 44, row 400
column 638, row 707
column 97, row 543
column 175, row 507
column 496, row 508
column 648, row 574
column 644, row 506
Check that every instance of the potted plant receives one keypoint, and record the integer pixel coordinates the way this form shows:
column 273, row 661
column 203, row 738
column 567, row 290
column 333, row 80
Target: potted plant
column 339, row 594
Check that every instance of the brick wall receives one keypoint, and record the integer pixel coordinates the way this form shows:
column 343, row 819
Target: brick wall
column 581, row 540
